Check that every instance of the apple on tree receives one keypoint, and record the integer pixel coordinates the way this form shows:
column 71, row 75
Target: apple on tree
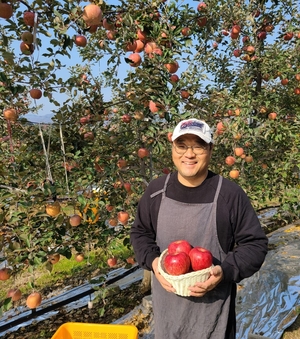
column 200, row 258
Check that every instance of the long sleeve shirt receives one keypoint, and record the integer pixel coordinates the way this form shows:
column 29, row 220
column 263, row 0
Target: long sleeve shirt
column 239, row 231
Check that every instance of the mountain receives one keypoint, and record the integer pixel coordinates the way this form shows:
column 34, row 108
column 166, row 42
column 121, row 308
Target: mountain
column 39, row 118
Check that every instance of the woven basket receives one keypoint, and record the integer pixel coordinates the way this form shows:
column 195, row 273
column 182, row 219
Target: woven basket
column 183, row 281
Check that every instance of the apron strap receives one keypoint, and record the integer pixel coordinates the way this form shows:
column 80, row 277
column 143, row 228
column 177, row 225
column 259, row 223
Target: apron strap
column 163, row 190
column 218, row 188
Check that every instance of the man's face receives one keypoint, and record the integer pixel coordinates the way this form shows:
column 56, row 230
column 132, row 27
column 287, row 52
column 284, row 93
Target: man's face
column 192, row 168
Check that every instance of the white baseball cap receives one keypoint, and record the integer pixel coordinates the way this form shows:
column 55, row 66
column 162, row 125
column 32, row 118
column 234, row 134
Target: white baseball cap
column 193, row 126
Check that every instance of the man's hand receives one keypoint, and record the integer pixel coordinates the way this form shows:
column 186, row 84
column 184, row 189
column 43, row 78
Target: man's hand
column 164, row 283
column 201, row 288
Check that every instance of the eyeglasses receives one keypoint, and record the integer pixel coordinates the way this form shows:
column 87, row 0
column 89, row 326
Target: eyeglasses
column 182, row 148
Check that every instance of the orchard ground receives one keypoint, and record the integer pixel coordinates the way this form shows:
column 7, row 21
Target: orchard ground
column 106, row 309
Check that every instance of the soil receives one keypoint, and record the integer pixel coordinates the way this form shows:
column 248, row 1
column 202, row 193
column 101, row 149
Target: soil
column 293, row 332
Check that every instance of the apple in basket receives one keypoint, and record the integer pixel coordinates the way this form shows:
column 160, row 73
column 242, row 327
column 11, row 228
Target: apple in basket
column 200, row 258
column 179, row 246
column 177, row 264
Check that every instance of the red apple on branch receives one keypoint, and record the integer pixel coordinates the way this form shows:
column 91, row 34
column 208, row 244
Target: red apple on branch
column 201, row 6
column 142, row 153
column 174, row 78
column 201, row 258
column 230, row 160
column 28, row 18
column 238, row 151
column 234, row 174
column 6, row 10
column 80, row 40
column 177, row 264
column 127, row 187
column 237, row 53
column 126, row 118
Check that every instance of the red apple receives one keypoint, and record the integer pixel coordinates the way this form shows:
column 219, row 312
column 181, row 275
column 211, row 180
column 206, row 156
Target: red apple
column 184, row 94
column 126, row 118
column 234, row 35
column 80, row 40
column 121, row 163
column 262, row 35
column 225, row 32
column 4, row 274
column 79, row 257
column 297, row 90
column 237, row 53
column 28, row 18
column 179, row 246
column 174, row 78
column 245, row 38
column 34, row 300
column 89, row 136
column 201, row 258
column 109, row 208
column 288, row 36
column 186, row 31
column 238, row 151
column 272, row 116
column 123, row 217
column 111, row 35
column 230, row 160
column 130, row 260
column 177, row 264
column 127, row 187
column 84, row 120
column 142, row 153
column 14, row 293
column 149, row 47
column 220, row 126
column 201, row 6
column 202, row 21
column 249, row 158
column 235, row 29
column 75, row 220
column 111, row 262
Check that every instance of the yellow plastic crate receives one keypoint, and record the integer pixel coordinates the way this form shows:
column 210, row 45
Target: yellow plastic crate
column 95, row 331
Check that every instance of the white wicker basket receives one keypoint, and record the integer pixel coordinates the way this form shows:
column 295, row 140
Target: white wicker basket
column 183, row 281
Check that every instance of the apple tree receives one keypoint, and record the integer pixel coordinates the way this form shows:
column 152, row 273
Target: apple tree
column 233, row 64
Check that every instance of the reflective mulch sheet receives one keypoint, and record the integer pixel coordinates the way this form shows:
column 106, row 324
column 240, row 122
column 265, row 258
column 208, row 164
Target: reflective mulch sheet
column 269, row 301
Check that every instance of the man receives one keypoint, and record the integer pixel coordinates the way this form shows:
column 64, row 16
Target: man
column 207, row 210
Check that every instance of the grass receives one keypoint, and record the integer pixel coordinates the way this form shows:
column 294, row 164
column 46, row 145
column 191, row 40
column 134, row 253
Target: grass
column 58, row 274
